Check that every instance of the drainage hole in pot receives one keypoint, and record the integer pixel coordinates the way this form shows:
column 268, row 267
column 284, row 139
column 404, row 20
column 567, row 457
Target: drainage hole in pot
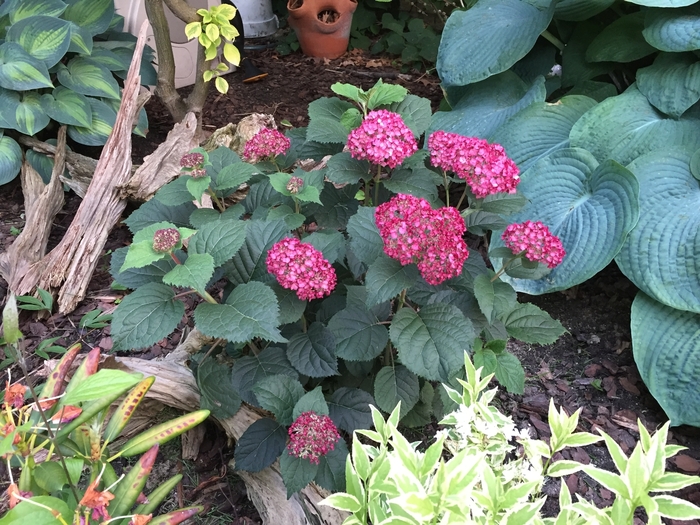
column 328, row 16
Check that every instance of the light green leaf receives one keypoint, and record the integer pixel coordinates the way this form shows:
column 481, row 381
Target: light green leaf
column 20, row 71
column 432, row 342
column 510, row 373
column 382, row 94
column 358, row 334
column 673, row 30
column 41, row 513
column 312, row 352
column 102, row 383
column 220, row 239
column 591, row 207
column 46, row 38
column 667, row 352
column 195, row 273
column 146, row 316
column 67, row 107
column 311, row 402
column 394, row 384
column 279, row 394
column 92, row 15
column 676, row 508
column 342, row 501
column 483, row 40
column 621, row 41
column 662, row 254
column 672, row 83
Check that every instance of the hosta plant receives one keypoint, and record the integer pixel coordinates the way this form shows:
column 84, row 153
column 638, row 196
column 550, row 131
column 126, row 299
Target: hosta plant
column 335, row 288
column 62, row 442
column 597, row 103
column 481, row 470
column 61, row 64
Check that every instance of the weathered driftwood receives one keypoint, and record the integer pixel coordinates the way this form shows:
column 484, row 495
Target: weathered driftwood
column 41, row 204
column 163, row 165
column 68, row 268
column 176, row 386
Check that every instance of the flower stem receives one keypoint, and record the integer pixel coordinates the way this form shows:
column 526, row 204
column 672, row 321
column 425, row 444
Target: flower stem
column 461, row 199
column 207, row 297
column 554, row 40
column 506, row 265
column 376, row 185
column 219, row 203
column 174, row 257
column 446, row 183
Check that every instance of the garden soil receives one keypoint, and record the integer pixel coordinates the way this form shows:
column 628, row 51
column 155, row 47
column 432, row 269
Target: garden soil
column 590, row 367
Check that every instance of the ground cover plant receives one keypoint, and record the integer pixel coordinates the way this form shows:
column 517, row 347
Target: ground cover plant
column 610, row 163
column 345, row 286
column 60, row 64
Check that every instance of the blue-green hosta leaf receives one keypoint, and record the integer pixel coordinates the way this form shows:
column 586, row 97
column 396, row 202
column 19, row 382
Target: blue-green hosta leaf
column 662, row 253
column 591, row 207
column 365, row 241
column 349, row 409
column 194, row 273
column 673, row 30
column 20, row 71
column 626, row 126
column 108, row 59
column 666, row 349
column 358, row 334
column 579, row 10
column 575, row 68
column 296, row 472
column 483, row 40
column 416, row 113
column 103, row 119
column 621, row 41
column 432, row 342
column 312, row 352
column 88, row 78
column 80, row 40
column 386, row 278
column 250, row 311
column 249, row 262
column 248, row 371
column 540, row 129
column 479, row 109
column 663, row 3
column 46, row 38
column 279, row 394
column 67, row 107
column 9, row 100
column 598, row 91
column 260, row 445
column 29, row 115
column 27, row 8
column 324, row 121
column 217, row 392
column 393, row 384
column 146, row 316
column 672, row 83
column 10, row 159
column 220, row 239
column 92, row 15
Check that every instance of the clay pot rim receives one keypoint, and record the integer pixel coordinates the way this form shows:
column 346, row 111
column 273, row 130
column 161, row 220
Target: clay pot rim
column 293, row 5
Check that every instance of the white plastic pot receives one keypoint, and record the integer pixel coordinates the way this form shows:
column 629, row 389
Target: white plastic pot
column 258, row 18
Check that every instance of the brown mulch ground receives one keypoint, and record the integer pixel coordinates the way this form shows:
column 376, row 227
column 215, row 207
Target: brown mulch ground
column 591, row 367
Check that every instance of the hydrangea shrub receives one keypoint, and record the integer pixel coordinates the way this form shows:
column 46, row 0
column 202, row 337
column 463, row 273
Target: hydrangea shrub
column 336, row 288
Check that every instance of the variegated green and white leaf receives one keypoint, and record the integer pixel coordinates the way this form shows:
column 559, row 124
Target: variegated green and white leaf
column 103, row 118
column 67, row 107
column 87, row 78
column 20, row 71
column 46, row 38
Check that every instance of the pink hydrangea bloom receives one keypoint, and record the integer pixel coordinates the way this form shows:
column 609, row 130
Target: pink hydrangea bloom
column 191, row 160
column 265, row 144
column 165, row 240
column 413, row 232
column 302, row 268
column 535, row 239
column 312, row 436
column 383, row 138
column 486, row 167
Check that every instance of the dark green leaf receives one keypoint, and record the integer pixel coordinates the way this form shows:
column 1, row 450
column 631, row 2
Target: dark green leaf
column 153, row 211
column 349, row 409
column 311, row 402
column 217, row 392
column 358, row 334
column 531, row 324
column 248, row 371
column 249, row 262
column 296, row 472
column 621, row 41
column 220, row 239
column 396, row 384
column 343, row 169
column 279, row 394
column 331, row 468
column 386, row 278
column 312, row 352
column 416, row 113
column 324, row 120
column 260, row 445
column 365, row 241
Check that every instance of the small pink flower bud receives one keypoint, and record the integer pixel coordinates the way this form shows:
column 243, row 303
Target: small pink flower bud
column 165, row 240
column 197, row 173
column 191, row 160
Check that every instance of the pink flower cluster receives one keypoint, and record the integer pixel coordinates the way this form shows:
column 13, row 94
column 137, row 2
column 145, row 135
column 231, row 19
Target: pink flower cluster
column 535, row 239
column 486, row 167
column 165, row 240
column 312, row 436
column 383, row 138
column 192, row 160
column 265, row 144
column 413, row 232
column 302, row 268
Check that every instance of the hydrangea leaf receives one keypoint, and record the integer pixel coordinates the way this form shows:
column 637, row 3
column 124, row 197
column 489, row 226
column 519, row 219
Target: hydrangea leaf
column 296, row 472
column 386, row 278
column 279, row 394
column 249, row 261
column 146, row 316
column 324, row 120
column 416, row 113
column 331, row 468
column 311, row 402
column 661, row 255
column 591, row 207
column 153, row 211
column 195, row 272
column 393, row 384
column 365, row 241
column 358, row 334
column 531, row 324
column 249, row 370
column 432, row 342
column 220, row 239
column 218, row 394
column 312, row 352
column 343, row 169
column 330, row 243
column 349, row 409
column 260, row 445
column 666, row 349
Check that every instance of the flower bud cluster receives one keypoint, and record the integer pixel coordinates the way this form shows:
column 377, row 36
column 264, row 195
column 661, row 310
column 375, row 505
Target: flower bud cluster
column 301, row 267
column 265, row 144
column 192, row 160
column 295, row 185
column 312, row 436
column 535, row 239
column 486, row 167
column 383, row 138
column 165, row 240
column 413, row 232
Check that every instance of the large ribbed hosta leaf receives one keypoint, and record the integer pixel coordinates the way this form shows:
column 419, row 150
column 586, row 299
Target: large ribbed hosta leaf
column 666, row 345
column 673, row 29
column 662, row 254
column 591, row 207
column 671, row 83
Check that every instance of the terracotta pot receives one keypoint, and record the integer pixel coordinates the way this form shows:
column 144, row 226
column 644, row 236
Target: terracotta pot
column 322, row 26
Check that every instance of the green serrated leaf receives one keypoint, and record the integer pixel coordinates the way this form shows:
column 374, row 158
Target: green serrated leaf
column 260, row 445
column 248, row 371
column 221, row 240
column 279, row 394
column 386, row 278
column 312, row 352
column 396, row 384
column 531, row 324
column 195, row 273
column 311, row 402
column 217, row 392
column 358, row 334
column 324, row 121
column 349, row 409
column 296, row 472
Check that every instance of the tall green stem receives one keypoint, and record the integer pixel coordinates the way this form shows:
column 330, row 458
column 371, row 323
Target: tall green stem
column 506, row 265
column 554, row 40
column 461, row 199
column 376, row 185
